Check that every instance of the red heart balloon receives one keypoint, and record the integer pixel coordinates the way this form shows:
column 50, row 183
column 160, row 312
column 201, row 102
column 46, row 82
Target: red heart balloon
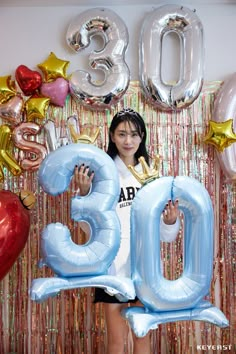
column 14, row 229
column 28, row 80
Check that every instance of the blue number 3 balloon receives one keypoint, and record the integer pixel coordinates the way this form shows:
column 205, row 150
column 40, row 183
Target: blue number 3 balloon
column 81, row 265
column 172, row 300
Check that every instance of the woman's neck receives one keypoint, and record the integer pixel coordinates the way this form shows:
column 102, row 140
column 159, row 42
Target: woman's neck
column 128, row 160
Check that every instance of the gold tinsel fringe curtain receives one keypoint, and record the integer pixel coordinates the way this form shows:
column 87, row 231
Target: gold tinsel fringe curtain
column 70, row 323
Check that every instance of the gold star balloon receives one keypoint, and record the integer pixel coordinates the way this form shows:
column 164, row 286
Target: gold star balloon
column 7, row 88
column 53, row 67
column 36, row 107
column 220, row 134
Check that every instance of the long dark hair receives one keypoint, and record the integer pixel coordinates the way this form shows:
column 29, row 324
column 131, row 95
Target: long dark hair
column 130, row 116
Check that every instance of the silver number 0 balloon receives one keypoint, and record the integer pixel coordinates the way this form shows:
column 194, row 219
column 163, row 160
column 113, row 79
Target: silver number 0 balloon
column 111, row 59
column 184, row 22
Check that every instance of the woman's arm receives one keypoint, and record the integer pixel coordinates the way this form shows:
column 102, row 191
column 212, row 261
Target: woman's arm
column 83, row 179
column 82, row 184
column 170, row 222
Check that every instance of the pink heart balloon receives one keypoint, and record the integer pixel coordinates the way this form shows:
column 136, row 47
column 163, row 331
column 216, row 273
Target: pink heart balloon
column 12, row 110
column 56, row 91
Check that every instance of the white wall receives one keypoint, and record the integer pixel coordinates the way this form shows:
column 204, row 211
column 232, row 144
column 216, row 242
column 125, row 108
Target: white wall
column 28, row 35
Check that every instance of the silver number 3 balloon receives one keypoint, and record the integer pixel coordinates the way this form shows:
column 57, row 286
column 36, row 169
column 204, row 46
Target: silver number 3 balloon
column 111, row 59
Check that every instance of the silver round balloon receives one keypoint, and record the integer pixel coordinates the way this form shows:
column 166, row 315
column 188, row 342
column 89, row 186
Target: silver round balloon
column 225, row 109
column 186, row 24
column 111, row 59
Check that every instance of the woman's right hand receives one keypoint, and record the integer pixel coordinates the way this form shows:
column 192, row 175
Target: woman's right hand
column 83, row 179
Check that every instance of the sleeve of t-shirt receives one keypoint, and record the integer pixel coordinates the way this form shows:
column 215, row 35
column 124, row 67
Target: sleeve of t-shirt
column 168, row 233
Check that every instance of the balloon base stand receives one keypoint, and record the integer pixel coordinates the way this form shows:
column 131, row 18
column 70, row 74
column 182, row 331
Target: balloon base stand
column 121, row 287
column 142, row 320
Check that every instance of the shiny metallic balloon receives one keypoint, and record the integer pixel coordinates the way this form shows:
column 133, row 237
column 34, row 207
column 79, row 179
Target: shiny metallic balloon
column 156, row 292
column 172, row 300
column 78, row 266
column 7, row 158
column 110, row 59
column 14, row 229
column 188, row 27
column 43, row 288
column 59, row 252
column 11, row 111
column 56, row 90
column 225, row 109
column 21, row 136
column 57, row 136
column 142, row 320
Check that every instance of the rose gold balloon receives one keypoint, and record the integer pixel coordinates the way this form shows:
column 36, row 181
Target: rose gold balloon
column 19, row 137
column 225, row 109
column 12, row 110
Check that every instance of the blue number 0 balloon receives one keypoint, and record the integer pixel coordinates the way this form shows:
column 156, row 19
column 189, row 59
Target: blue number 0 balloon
column 172, row 300
column 81, row 265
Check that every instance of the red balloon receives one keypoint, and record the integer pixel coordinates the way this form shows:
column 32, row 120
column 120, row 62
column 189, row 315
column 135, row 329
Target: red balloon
column 28, row 80
column 14, row 229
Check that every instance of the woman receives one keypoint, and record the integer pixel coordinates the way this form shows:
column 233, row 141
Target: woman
column 127, row 139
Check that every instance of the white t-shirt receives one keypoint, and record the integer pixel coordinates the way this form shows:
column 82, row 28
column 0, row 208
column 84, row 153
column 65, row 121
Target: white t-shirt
column 129, row 187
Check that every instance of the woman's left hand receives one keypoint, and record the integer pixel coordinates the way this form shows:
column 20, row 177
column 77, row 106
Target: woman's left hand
column 171, row 212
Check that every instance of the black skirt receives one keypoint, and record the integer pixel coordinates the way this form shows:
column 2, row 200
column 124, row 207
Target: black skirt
column 102, row 296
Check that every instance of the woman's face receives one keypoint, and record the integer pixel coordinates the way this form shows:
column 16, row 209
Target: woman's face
column 127, row 139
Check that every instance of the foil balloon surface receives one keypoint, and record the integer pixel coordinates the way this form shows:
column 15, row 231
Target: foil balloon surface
column 81, row 265
column 224, row 110
column 188, row 27
column 110, row 59
column 172, row 300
